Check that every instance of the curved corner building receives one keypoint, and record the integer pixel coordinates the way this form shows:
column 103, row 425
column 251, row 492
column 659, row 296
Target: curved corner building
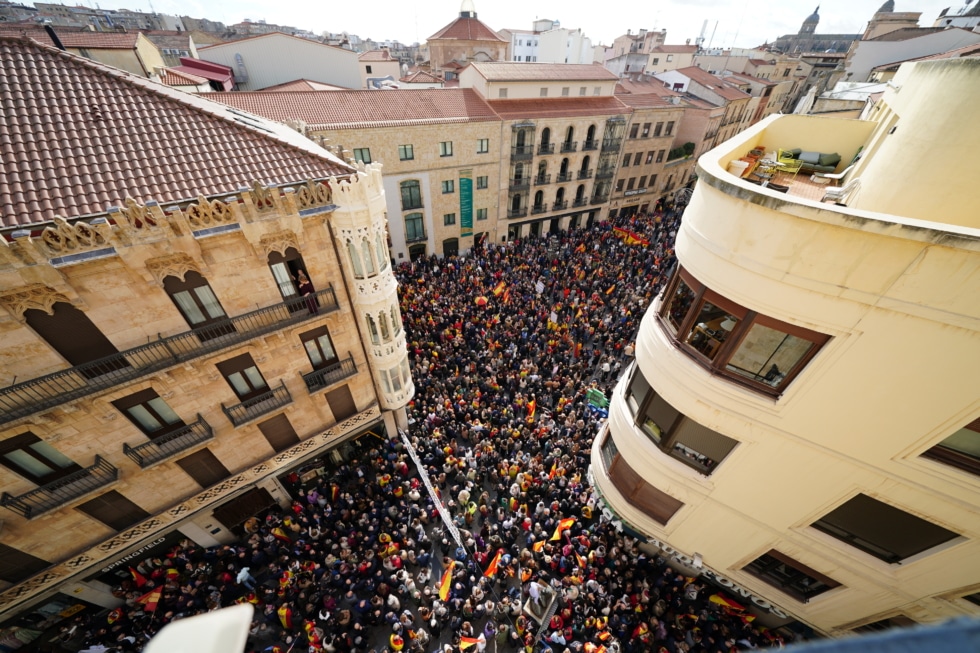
column 802, row 421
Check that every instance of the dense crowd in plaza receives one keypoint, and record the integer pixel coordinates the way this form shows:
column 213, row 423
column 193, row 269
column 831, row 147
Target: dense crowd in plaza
column 505, row 343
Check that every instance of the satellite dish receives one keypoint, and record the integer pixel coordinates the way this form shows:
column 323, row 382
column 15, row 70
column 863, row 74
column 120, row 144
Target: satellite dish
column 221, row 631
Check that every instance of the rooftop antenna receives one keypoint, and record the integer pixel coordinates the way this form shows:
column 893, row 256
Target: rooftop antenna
column 712, row 39
column 700, row 40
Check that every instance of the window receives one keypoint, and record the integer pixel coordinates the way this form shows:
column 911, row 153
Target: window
column 670, row 129
column 660, row 156
column 446, row 148
column 565, row 91
column 655, row 61
column 882, row 530
column 881, row 625
column 285, row 270
column 482, row 145
column 502, row 92
column 150, row 413
column 658, row 129
column 619, row 184
column 655, row 503
column 649, row 157
column 653, row 181
column 646, row 130
column 319, row 347
column 670, row 57
column 626, row 159
column 638, row 158
column 243, row 376
column 673, row 433
column 544, row 91
column 34, row 459
column 341, row 403
column 367, row 69
column 643, row 182
column 71, row 333
column 481, row 214
column 406, row 152
column 751, row 349
column 414, row 228
column 362, row 154
column 961, row 449
column 786, row 73
column 195, row 300
column 17, row 566
column 449, row 219
column 792, row 577
column 411, row 195
column 279, row 433
column 482, row 182
column 631, row 183
column 597, row 90
column 449, row 186
column 114, row 510
column 634, row 130
column 582, row 90
column 204, row 467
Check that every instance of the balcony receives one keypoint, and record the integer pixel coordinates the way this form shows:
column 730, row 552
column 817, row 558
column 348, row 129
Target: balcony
column 517, row 213
column 266, row 402
column 590, row 145
column 560, row 205
column 562, row 177
column 546, row 148
column 522, row 152
column 611, row 144
column 600, row 199
column 582, row 201
column 152, row 452
column 60, row 387
column 319, row 379
column 65, row 489
column 605, row 173
column 416, row 237
column 585, row 174
column 520, row 184
column 569, row 146
column 539, row 208
column 542, row 180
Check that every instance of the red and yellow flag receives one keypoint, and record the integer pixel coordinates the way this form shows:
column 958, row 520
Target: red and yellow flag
column 151, row 599
column 447, row 581
column 580, row 248
column 492, row 569
column 499, row 288
column 285, row 616
column 466, row 642
column 554, row 470
column 138, row 578
column 531, row 407
column 537, row 546
column 280, row 534
column 581, row 561
column 563, row 525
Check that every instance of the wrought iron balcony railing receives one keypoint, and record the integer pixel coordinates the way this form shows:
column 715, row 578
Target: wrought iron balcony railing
column 539, row 208
column 521, row 152
column 266, row 402
column 58, row 493
column 562, row 177
column 60, row 387
column 585, row 174
column 605, row 173
column 520, row 184
column 542, row 180
column 164, row 447
column 582, row 201
column 560, row 206
column 611, row 144
column 546, row 148
column 569, row 146
column 516, row 213
column 320, row 379
column 590, row 145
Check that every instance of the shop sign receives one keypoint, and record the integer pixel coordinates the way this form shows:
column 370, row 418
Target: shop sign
column 135, row 554
column 638, row 191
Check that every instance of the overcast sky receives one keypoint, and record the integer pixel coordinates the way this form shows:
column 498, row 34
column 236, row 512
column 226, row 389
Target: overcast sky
column 739, row 22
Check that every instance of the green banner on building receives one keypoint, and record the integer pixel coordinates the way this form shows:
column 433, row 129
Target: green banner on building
column 466, row 202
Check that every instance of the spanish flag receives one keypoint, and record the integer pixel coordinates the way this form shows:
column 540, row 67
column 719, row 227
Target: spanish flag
column 611, row 288
column 538, row 546
column 531, row 407
column 151, row 599
column 499, row 288
column 507, row 296
column 563, row 525
column 334, row 493
column 172, row 574
column 554, row 470
column 286, row 616
column 466, row 642
column 138, row 578
column 580, row 248
column 581, row 561
column 280, row 534
column 447, row 581
column 492, row 569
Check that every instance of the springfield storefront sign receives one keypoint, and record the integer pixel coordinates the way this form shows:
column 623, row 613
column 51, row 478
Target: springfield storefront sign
column 673, row 554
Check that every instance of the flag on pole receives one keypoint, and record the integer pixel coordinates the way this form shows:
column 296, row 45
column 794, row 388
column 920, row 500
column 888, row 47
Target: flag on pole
column 151, row 599
column 466, row 642
column 554, row 470
column 285, row 616
column 531, row 407
column 563, row 525
column 581, row 561
column 499, row 288
column 537, row 546
column 447, row 581
column 280, row 534
column 138, row 578
column 492, row 569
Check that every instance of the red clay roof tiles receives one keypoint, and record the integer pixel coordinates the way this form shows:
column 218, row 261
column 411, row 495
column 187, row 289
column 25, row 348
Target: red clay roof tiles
column 467, row 29
column 558, row 107
column 356, row 109
column 173, row 77
column 512, row 71
column 78, row 136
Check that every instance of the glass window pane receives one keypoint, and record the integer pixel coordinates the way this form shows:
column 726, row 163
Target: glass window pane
column 385, row 333
column 52, row 455
column 966, row 441
column 396, row 379
column 406, row 373
column 31, row 465
column 373, row 330
column 144, row 418
column 283, row 279
column 680, row 304
column 313, row 352
column 711, row 328
column 382, row 252
column 189, row 307
column 255, row 377
column 326, row 347
column 637, row 392
column 163, row 410
column 767, row 355
column 384, row 381
column 237, row 381
column 355, row 260
column 659, row 417
column 209, row 301
column 368, row 260
column 395, row 322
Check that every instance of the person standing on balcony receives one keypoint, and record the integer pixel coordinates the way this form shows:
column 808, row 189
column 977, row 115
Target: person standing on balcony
column 306, row 290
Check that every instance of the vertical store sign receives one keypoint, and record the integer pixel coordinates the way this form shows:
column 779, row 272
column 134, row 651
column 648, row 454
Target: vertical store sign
column 466, row 202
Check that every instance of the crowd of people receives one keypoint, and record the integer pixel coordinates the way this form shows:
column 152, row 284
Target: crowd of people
column 505, row 344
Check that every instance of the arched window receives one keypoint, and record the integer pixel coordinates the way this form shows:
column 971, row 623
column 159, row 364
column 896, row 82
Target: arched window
column 519, row 171
column 515, row 204
column 368, row 259
column 538, row 199
column 585, row 163
column 355, row 260
column 580, row 193
column 195, row 299
column 396, row 322
column 385, row 331
column 564, row 167
column 569, row 134
column 560, row 195
column 545, row 137
column 382, row 252
column 542, row 169
column 411, row 195
column 373, row 330
column 590, row 134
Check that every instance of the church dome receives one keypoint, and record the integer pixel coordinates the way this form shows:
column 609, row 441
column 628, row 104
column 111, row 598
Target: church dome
column 467, row 9
column 887, row 8
column 815, row 16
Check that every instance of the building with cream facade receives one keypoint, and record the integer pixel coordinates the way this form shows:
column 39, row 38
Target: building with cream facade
column 166, row 361
column 802, row 422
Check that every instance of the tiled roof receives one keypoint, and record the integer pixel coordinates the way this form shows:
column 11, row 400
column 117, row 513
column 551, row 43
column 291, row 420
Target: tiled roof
column 759, row 62
column 78, row 136
column 360, row 109
column 302, row 85
column 272, row 35
column 713, row 83
column 649, row 85
column 467, row 29
column 675, row 49
column 558, row 107
column 513, row 71
column 376, row 55
column 420, row 77
column 906, row 33
column 173, row 77
column 77, row 39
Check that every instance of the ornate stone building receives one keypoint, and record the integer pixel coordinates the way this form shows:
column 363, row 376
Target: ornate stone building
column 807, row 39
column 194, row 302
column 464, row 40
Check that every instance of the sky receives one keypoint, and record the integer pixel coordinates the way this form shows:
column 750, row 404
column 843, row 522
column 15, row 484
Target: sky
column 730, row 23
